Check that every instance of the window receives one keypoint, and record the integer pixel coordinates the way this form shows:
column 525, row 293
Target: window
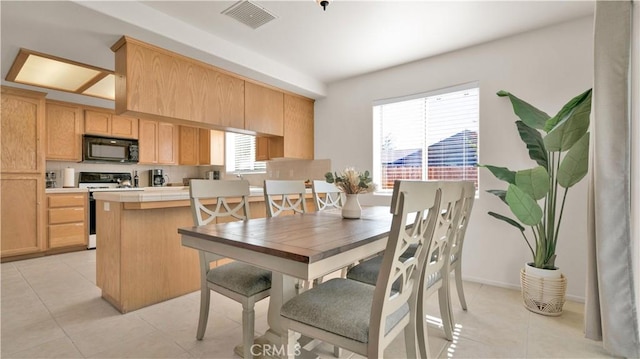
column 241, row 154
column 432, row 136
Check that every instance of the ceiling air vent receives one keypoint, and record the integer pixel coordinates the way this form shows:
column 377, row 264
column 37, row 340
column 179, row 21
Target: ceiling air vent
column 250, row 14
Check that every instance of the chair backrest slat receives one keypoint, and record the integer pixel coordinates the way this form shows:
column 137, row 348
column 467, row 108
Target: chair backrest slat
column 468, row 195
column 326, row 195
column 221, row 191
column 445, row 228
column 417, row 204
column 281, row 196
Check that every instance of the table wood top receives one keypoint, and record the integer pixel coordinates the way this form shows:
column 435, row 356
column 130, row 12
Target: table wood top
column 305, row 238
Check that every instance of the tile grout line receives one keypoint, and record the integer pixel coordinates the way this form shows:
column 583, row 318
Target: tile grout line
column 51, row 316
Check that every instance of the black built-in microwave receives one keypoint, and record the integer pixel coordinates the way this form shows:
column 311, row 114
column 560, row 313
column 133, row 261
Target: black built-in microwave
column 107, row 149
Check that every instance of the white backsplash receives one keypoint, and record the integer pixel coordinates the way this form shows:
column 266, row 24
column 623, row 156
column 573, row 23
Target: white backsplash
column 278, row 169
column 175, row 174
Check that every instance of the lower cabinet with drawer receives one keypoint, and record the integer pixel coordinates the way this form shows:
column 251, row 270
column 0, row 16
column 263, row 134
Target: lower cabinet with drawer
column 67, row 220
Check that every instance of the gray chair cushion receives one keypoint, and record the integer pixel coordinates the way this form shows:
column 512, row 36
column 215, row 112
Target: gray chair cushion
column 367, row 272
column 340, row 306
column 240, row 278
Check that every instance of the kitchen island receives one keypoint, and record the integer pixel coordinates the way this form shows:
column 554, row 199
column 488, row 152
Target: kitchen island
column 139, row 256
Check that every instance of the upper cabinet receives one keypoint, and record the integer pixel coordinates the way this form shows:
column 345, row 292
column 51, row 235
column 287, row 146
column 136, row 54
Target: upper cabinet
column 211, row 143
column 297, row 141
column 22, row 130
column 188, row 152
column 263, row 110
column 152, row 82
column 298, row 127
column 200, row 146
column 157, row 82
column 64, row 131
column 158, row 143
column 109, row 125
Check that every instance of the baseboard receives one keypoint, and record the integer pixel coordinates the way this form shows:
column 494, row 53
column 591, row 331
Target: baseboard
column 515, row 287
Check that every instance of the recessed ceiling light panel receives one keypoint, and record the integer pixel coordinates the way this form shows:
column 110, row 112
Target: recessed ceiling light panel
column 41, row 71
column 250, row 14
column 38, row 69
column 105, row 88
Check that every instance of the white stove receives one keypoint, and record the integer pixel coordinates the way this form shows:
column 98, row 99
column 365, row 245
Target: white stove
column 102, row 182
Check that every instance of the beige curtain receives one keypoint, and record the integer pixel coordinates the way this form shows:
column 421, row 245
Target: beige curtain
column 610, row 311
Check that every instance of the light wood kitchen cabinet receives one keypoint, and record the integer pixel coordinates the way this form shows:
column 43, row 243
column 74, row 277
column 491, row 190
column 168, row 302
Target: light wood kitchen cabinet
column 211, row 143
column 298, row 127
column 22, row 167
column 298, row 138
column 158, row 142
column 67, row 216
column 22, row 131
column 110, row 125
column 64, row 131
column 200, row 146
column 189, row 148
column 167, row 143
column 161, row 83
column 263, row 109
column 262, row 149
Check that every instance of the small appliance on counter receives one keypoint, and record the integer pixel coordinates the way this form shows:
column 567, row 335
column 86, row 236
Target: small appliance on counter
column 156, row 178
column 213, row 175
column 50, row 178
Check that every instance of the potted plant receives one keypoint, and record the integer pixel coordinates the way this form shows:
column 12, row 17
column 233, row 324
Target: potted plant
column 536, row 196
column 351, row 183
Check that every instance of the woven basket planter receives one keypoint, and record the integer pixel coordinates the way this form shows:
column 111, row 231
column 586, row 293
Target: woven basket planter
column 541, row 295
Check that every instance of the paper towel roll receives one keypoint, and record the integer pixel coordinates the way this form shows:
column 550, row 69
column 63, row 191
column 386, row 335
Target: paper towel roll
column 68, row 178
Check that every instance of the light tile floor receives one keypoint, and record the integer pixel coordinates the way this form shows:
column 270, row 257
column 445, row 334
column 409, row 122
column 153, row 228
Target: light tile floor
column 51, row 308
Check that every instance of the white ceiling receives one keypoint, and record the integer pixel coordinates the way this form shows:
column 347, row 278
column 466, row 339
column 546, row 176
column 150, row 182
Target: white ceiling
column 302, row 50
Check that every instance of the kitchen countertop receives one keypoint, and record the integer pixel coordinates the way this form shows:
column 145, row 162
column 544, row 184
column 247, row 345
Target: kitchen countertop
column 66, row 190
column 159, row 194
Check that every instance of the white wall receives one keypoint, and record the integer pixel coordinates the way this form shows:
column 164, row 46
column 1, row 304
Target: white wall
column 546, row 67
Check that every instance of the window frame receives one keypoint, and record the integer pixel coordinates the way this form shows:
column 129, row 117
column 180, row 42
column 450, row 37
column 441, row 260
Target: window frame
column 377, row 132
column 230, row 156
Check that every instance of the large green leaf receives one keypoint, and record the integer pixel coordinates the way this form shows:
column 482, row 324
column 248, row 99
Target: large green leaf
column 526, row 112
column 534, row 182
column 500, row 193
column 575, row 164
column 502, row 173
column 533, row 139
column 566, row 110
column 508, row 220
column 570, row 128
column 523, row 206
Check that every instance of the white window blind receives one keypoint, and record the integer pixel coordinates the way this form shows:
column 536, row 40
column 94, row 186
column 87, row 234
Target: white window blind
column 427, row 137
column 241, row 154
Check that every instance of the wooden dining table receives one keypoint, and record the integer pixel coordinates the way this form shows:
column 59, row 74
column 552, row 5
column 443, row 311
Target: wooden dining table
column 303, row 246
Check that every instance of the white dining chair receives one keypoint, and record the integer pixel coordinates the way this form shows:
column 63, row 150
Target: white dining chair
column 435, row 269
column 435, row 266
column 241, row 282
column 455, row 263
column 282, row 196
column 364, row 318
column 326, row 195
